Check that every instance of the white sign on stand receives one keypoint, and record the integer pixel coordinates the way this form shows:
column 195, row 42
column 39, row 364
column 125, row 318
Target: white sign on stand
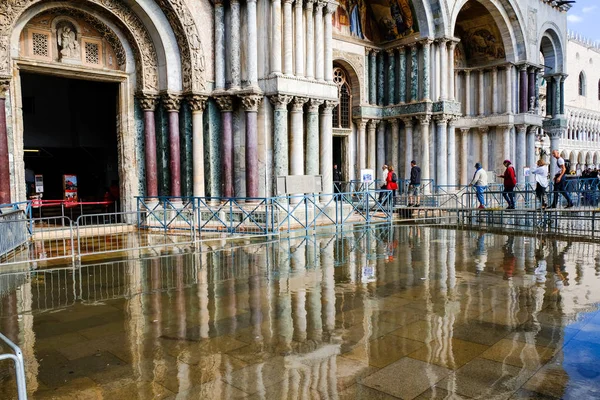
column 39, row 184
column 367, row 175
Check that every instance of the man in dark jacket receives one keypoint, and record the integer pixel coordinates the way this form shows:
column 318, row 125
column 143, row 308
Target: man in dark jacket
column 414, row 186
column 510, row 181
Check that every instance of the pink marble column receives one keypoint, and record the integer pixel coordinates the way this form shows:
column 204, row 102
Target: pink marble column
column 4, row 161
column 225, row 104
column 251, row 104
column 148, row 104
column 172, row 102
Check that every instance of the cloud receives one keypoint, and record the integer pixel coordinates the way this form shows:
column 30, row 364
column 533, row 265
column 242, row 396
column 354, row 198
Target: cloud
column 588, row 9
column 574, row 18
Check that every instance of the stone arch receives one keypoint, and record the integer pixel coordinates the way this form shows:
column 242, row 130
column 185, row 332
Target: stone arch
column 566, row 154
column 597, row 158
column 582, row 157
column 509, row 22
column 425, row 10
column 589, row 157
column 355, row 84
column 551, row 47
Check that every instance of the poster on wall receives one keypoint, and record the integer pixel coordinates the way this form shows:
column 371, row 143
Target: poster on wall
column 70, row 187
column 367, row 175
column 39, row 184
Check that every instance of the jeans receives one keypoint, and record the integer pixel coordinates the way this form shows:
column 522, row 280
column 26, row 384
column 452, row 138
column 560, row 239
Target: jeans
column 509, row 195
column 480, row 190
column 540, row 193
column 561, row 188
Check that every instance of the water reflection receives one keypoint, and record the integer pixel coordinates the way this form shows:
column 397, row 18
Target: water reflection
column 406, row 312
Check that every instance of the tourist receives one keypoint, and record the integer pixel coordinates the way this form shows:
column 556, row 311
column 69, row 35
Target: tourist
column 560, row 184
column 480, row 182
column 391, row 182
column 510, row 181
column 541, row 179
column 414, row 185
column 337, row 179
column 384, row 175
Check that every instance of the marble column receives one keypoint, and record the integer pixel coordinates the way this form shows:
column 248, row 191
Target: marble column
column 326, row 147
column 467, row 93
column 464, row 160
column 312, row 137
column 5, row 195
column 485, row 147
column 172, row 103
column 531, row 93
column 505, row 141
column 297, row 136
column 558, row 97
column 424, row 120
column 452, row 152
column 444, row 69
column 451, row 75
column 361, row 124
column 288, row 38
column 225, row 104
column 372, row 77
column 523, row 85
column 562, row 94
column 441, row 144
column 299, row 37
column 408, row 143
column 235, row 49
column 148, row 104
column 251, row 103
column 219, row 45
column 391, row 77
column 414, row 73
column 329, row 10
column 310, row 39
column 531, row 156
column 252, row 56
column 549, row 95
column 494, row 90
column 403, row 70
column 480, row 96
column 395, row 128
column 372, row 145
column 276, row 38
column 197, row 104
column 427, row 70
column 280, row 136
column 380, row 78
column 381, row 158
column 521, row 152
column 509, row 86
column 319, row 41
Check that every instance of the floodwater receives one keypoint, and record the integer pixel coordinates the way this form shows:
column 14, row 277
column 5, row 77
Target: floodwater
column 386, row 313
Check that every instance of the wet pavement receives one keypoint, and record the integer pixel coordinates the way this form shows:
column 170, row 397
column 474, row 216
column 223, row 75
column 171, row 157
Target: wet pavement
column 373, row 314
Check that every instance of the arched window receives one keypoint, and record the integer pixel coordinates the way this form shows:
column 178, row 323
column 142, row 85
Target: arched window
column 582, row 88
column 342, row 114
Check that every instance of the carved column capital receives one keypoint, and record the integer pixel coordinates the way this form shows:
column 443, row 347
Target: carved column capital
column 465, row 131
column 310, row 4
column 408, row 121
column 401, row 49
column 225, row 103
column 147, row 101
column 4, row 86
column 395, row 123
column 391, row 52
column 330, row 7
column 328, row 106
column 424, row 119
column 298, row 103
column 426, row 42
column 505, row 126
column 314, row 104
column 197, row 102
column 171, row 102
column 361, row 124
column 280, row 101
column 441, row 119
column 372, row 125
column 319, row 6
column 297, row 3
column 251, row 102
column 521, row 128
column 467, row 72
column 484, row 129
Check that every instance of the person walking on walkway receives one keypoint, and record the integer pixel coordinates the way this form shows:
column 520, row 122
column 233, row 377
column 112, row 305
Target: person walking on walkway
column 541, row 179
column 560, row 183
column 480, row 182
column 392, row 182
column 414, row 185
column 510, row 181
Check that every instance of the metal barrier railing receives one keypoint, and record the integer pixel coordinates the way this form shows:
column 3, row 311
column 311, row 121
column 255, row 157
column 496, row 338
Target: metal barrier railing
column 14, row 231
column 231, row 215
column 17, row 359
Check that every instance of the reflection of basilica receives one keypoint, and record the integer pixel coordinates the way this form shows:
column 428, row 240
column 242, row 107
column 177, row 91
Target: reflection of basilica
column 303, row 317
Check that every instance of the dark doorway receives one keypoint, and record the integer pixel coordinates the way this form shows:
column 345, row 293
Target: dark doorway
column 338, row 157
column 70, row 128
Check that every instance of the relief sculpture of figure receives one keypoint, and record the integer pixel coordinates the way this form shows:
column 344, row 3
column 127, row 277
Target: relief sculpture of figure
column 407, row 18
column 67, row 42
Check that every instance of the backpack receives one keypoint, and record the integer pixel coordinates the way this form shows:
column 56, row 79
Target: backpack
column 394, row 177
column 567, row 167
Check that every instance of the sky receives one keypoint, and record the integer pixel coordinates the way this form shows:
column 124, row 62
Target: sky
column 583, row 17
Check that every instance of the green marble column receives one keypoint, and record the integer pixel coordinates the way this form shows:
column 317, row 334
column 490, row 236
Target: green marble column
column 185, row 132
column 373, row 77
column 391, row 77
column 414, row 73
column 402, row 72
column 138, row 116
column 380, row 79
column 426, row 69
column 162, row 150
column 212, row 136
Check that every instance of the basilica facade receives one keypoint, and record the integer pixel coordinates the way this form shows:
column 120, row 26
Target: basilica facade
column 219, row 98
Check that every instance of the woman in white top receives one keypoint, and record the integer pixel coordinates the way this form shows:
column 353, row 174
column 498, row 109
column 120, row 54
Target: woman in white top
column 541, row 178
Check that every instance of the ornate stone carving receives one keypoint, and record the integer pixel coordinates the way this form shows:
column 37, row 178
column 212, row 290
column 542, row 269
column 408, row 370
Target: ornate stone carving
column 484, row 129
column 148, row 101
column 424, row 119
column 395, row 124
column 4, row 86
column 314, row 104
column 329, row 105
column 225, row 103
column 197, row 102
column 298, row 103
column 280, row 101
column 171, row 102
column 251, row 102
column 67, row 38
column 441, row 119
column 521, row 128
column 408, row 121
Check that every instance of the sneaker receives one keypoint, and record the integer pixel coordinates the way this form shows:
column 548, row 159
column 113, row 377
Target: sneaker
column 551, row 207
column 569, row 205
column 410, row 205
column 417, row 205
column 510, row 207
column 481, row 207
